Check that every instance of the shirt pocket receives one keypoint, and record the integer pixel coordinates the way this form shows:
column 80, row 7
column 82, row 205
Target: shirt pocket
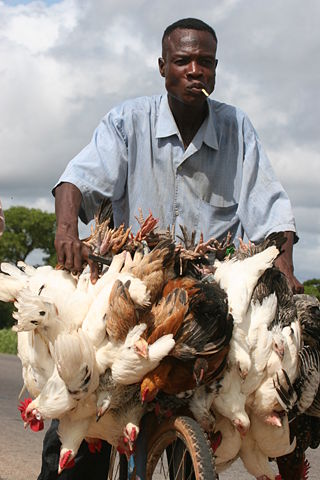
column 217, row 217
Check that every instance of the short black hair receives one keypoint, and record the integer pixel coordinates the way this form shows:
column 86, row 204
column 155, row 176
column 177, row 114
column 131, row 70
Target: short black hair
column 191, row 24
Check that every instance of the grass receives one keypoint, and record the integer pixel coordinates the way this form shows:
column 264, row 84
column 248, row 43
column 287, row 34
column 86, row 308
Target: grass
column 8, row 341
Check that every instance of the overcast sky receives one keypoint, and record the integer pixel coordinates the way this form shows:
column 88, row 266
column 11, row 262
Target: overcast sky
column 64, row 64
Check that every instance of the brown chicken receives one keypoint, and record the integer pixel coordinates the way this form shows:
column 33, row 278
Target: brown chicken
column 168, row 315
column 122, row 315
column 202, row 341
column 155, row 268
column 174, row 376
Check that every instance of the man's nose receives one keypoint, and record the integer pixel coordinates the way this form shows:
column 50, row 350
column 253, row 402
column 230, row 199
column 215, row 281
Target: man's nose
column 194, row 69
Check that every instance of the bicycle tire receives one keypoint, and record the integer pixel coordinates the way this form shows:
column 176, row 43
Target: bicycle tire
column 197, row 461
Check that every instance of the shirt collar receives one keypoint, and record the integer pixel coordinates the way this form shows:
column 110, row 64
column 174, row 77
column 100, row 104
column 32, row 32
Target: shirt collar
column 166, row 125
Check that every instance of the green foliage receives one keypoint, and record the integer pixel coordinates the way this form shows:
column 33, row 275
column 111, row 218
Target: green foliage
column 8, row 341
column 312, row 287
column 6, row 319
column 26, row 230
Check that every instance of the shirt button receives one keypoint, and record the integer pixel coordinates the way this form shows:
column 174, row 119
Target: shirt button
column 176, row 213
column 179, row 168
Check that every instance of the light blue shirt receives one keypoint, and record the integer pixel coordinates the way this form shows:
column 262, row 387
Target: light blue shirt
column 222, row 182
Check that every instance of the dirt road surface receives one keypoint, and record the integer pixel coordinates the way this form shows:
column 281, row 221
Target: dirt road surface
column 20, row 450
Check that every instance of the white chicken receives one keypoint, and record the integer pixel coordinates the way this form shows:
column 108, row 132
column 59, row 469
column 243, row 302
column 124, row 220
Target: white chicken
column 254, row 459
column 37, row 363
column 127, row 363
column 273, row 441
column 260, row 341
column 238, row 278
column 94, row 323
column 265, row 399
column 37, row 312
column 228, row 450
column 53, row 401
column 231, row 403
column 72, row 349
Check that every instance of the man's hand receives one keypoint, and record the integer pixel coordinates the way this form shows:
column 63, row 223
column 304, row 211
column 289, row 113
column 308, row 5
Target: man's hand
column 285, row 264
column 72, row 254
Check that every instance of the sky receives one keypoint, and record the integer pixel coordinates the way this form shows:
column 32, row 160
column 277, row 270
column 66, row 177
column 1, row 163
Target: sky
column 64, row 64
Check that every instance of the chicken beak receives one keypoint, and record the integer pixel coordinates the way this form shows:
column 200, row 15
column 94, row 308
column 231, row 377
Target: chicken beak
column 142, row 348
column 98, row 415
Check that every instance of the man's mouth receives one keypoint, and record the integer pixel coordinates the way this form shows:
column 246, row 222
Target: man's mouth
column 196, row 88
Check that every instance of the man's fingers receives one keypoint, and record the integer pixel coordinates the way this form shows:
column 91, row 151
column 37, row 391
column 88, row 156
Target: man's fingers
column 68, row 263
column 60, row 253
column 77, row 256
column 69, row 253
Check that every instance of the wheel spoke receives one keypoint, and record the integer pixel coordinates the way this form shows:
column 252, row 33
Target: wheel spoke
column 178, row 450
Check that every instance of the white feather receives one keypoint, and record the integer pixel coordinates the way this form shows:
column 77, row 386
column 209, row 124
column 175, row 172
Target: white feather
column 130, row 367
column 75, row 359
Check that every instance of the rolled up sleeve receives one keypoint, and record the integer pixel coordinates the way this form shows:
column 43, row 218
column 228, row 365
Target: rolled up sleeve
column 264, row 206
column 100, row 169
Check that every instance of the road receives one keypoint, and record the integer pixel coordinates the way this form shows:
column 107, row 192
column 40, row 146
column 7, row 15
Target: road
column 20, row 450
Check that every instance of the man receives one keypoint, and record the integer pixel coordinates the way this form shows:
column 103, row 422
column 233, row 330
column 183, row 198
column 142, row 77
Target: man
column 191, row 160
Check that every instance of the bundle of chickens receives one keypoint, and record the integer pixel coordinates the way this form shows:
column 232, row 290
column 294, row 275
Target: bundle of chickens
column 169, row 326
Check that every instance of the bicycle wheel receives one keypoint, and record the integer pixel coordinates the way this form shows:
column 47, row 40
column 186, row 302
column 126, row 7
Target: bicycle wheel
column 188, row 454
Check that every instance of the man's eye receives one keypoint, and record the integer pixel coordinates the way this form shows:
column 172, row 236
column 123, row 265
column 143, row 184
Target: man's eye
column 207, row 62
column 181, row 61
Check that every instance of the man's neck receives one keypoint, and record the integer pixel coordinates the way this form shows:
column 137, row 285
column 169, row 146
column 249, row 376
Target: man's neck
column 188, row 119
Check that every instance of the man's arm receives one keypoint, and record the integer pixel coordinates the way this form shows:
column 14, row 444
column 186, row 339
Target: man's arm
column 71, row 253
column 285, row 264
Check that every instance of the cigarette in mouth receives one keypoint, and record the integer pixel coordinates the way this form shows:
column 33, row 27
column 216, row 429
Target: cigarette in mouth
column 204, row 91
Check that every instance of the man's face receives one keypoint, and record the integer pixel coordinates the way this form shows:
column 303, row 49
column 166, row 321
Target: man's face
column 188, row 65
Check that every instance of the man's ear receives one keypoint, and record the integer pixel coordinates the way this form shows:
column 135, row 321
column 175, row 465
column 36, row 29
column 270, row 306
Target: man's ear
column 161, row 64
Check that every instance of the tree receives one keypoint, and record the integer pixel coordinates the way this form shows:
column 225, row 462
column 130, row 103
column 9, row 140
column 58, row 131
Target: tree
column 312, row 287
column 26, row 230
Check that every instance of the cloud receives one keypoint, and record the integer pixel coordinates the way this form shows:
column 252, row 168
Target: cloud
column 64, row 64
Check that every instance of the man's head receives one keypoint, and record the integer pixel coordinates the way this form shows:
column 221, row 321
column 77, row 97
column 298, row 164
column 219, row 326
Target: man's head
column 188, row 60
column 187, row 24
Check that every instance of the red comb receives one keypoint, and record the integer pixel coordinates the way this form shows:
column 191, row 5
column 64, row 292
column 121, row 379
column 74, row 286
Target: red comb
column 35, row 424
column 95, row 446
column 133, row 434
column 23, row 406
column 65, row 462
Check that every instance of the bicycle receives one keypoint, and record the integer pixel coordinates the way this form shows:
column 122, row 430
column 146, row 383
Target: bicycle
column 177, row 449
